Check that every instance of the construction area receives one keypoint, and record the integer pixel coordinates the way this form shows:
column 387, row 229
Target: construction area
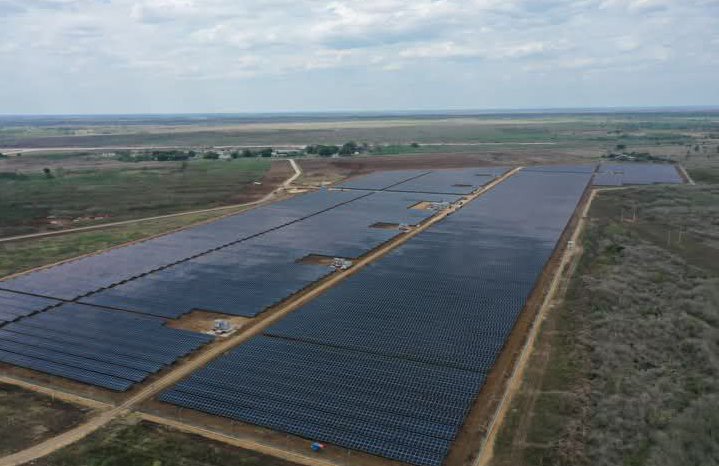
column 381, row 320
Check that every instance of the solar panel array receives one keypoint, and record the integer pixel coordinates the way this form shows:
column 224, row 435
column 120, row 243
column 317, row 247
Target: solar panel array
column 389, row 361
column 636, row 173
column 16, row 305
column 239, row 265
column 559, row 168
column 460, row 181
column 80, row 277
column 96, row 346
column 381, row 180
column 446, row 181
column 247, row 277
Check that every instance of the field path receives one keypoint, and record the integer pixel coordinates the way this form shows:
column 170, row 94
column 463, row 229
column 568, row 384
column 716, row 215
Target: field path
column 285, row 184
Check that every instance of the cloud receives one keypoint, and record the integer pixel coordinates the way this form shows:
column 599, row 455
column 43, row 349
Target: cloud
column 171, row 44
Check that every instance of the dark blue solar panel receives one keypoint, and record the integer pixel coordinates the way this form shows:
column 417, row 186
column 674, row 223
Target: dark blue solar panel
column 246, row 278
column 83, row 276
column 16, row 305
column 562, row 168
column 460, row 181
column 390, row 360
column 110, row 349
column 381, row 180
column 636, row 173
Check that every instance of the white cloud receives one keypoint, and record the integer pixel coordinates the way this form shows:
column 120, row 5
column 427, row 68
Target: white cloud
column 159, row 44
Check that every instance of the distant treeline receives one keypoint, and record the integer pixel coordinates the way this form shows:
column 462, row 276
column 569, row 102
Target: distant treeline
column 347, row 149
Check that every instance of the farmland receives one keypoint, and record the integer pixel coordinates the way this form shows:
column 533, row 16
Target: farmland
column 34, row 201
column 383, row 316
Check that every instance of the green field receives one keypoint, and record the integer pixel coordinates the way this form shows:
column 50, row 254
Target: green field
column 33, row 201
column 625, row 371
column 129, row 443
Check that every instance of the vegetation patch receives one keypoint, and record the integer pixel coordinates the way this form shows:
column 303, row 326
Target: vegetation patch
column 56, row 199
column 132, row 443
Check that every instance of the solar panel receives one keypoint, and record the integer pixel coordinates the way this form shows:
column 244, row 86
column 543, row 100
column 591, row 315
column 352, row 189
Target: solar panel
column 390, row 360
column 637, row 174
column 101, row 347
column 16, row 305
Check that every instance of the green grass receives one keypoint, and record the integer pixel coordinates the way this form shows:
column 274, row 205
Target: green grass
column 28, row 199
column 18, row 256
column 125, row 443
column 27, row 418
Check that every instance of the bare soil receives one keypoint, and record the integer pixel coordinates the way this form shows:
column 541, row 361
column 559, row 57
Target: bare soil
column 29, row 417
column 204, row 321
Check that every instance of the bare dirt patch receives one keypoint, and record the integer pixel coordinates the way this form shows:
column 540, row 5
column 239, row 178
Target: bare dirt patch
column 204, row 321
column 29, row 417
column 385, row 226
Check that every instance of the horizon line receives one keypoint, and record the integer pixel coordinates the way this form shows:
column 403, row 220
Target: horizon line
column 409, row 112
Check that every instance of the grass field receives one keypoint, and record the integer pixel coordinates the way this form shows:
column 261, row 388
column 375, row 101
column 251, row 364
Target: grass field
column 128, row 443
column 27, row 418
column 17, row 256
column 32, row 201
column 625, row 371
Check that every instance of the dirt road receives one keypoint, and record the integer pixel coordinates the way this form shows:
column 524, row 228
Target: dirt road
column 267, row 197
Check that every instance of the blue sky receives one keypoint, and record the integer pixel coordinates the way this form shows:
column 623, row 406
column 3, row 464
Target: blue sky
column 157, row 56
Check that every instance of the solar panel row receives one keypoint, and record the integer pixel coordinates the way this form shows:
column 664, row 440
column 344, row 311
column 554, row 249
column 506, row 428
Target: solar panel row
column 449, row 181
column 97, row 346
column 460, row 181
column 636, row 173
column 235, row 276
column 16, row 305
column 245, row 278
column 77, row 278
column 382, row 180
column 389, row 361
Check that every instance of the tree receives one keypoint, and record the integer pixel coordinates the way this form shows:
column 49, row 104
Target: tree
column 266, row 152
column 48, row 173
column 621, row 146
column 415, row 145
column 211, row 155
column 349, row 148
column 235, row 154
column 327, row 151
column 248, row 153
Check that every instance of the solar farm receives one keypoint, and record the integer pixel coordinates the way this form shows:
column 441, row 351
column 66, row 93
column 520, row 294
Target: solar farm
column 386, row 355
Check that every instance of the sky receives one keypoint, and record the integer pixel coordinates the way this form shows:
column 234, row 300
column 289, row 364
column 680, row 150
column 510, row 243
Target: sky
column 184, row 56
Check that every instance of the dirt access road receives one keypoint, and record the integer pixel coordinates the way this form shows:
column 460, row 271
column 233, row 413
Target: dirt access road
column 267, row 197
column 204, row 357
